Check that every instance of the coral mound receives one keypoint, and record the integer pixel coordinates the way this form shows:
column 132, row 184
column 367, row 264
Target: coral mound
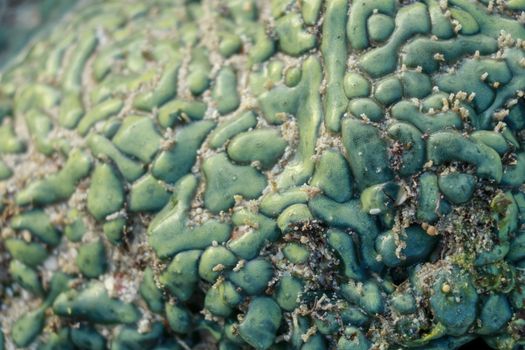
column 250, row 174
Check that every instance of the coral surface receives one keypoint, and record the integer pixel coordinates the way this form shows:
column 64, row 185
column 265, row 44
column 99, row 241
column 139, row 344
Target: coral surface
column 286, row 174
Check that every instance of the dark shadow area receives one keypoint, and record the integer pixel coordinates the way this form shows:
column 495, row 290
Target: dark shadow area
column 477, row 344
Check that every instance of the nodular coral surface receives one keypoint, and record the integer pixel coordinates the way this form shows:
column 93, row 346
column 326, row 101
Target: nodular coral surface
column 266, row 174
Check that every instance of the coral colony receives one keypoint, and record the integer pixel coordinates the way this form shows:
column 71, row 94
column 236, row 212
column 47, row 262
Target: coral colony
column 287, row 174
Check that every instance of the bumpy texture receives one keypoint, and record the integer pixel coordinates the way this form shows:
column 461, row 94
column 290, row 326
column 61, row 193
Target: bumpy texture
column 249, row 174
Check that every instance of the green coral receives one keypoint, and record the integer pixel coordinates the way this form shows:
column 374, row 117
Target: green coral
column 298, row 174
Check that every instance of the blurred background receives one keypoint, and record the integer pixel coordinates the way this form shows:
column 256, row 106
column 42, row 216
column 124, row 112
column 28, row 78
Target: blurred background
column 21, row 19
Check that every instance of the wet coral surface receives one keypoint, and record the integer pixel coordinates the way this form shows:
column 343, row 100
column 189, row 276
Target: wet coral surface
column 272, row 175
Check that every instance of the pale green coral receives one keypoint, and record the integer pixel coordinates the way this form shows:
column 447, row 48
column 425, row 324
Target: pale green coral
column 298, row 174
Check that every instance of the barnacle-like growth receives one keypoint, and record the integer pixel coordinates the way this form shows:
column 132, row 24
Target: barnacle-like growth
column 289, row 174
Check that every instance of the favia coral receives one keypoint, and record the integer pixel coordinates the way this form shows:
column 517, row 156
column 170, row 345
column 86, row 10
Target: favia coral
column 273, row 175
